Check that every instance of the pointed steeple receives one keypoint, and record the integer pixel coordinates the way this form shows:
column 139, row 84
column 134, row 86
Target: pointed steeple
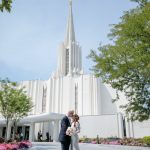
column 70, row 35
column 70, row 53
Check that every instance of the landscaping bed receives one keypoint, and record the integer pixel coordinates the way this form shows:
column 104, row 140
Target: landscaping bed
column 14, row 145
column 117, row 141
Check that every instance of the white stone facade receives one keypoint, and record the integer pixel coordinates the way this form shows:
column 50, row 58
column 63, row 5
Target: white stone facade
column 84, row 93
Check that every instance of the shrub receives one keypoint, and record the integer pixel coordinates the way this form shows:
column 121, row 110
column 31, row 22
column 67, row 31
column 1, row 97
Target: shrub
column 113, row 138
column 131, row 142
column 146, row 140
column 2, row 140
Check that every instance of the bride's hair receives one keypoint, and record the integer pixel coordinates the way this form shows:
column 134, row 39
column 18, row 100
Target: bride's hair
column 75, row 118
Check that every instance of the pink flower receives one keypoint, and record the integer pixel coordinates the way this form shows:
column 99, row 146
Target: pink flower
column 8, row 146
column 25, row 144
column 15, row 146
column 114, row 143
column 93, row 142
column 3, row 147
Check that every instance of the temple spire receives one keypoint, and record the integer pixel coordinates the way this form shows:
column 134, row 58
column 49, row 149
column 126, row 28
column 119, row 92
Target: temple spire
column 70, row 35
column 70, row 2
column 70, row 53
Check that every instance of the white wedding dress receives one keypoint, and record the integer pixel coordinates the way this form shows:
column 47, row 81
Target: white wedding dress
column 75, row 137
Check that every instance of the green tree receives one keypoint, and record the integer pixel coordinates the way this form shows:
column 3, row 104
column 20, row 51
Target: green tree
column 5, row 4
column 125, row 64
column 141, row 2
column 14, row 103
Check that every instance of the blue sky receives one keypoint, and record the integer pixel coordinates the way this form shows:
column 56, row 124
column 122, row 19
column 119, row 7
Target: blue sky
column 31, row 33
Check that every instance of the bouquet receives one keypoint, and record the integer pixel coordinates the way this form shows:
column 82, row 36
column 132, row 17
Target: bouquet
column 70, row 131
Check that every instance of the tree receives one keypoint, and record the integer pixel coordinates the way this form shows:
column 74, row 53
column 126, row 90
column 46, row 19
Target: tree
column 141, row 2
column 125, row 64
column 5, row 4
column 14, row 103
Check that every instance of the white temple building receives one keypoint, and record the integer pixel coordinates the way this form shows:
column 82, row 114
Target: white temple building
column 69, row 88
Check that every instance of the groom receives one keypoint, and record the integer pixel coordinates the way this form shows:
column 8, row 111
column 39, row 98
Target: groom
column 65, row 123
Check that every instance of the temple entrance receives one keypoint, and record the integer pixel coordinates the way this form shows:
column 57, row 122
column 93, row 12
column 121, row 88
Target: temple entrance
column 27, row 129
column 4, row 132
column 124, row 127
column 19, row 129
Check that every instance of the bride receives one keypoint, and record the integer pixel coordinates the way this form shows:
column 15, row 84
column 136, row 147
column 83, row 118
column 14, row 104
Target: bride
column 76, row 127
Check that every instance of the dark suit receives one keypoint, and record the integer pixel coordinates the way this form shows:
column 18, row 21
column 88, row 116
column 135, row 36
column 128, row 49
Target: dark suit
column 63, row 138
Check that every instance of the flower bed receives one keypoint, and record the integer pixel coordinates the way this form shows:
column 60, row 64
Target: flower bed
column 116, row 141
column 15, row 146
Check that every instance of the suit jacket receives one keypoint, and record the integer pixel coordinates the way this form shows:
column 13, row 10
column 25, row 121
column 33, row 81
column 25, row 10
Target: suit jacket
column 65, row 123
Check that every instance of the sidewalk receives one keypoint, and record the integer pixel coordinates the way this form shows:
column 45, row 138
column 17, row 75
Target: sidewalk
column 84, row 146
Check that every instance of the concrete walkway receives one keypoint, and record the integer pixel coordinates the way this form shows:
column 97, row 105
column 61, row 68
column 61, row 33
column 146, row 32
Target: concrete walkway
column 56, row 146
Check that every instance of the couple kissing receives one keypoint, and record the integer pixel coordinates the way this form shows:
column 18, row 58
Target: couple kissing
column 70, row 127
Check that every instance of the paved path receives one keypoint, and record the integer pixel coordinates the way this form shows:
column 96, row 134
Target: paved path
column 56, row 146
